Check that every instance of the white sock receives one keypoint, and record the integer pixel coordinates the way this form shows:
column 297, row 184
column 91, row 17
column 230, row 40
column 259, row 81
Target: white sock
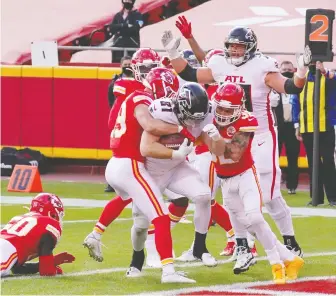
column 273, row 256
column 285, row 254
column 168, row 268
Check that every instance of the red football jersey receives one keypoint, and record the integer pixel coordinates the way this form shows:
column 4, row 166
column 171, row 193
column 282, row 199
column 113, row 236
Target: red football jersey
column 211, row 88
column 122, row 88
column 25, row 232
column 126, row 135
column 227, row 167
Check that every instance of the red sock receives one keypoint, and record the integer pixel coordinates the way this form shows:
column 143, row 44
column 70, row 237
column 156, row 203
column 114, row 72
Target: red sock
column 111, row 212
column 220, row 216
column 176, row 212
column 163, row 239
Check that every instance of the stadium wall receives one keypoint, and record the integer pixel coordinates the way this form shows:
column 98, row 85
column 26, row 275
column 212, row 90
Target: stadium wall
column 62, row 111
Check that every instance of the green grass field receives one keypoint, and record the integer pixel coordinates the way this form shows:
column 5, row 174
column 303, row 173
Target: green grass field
column 87, row 277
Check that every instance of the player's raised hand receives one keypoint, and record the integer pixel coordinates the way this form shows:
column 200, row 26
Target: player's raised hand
column 184, row 27
column 171, row 44
column 184, row 131
column 63, row 258
column 183, row 150
column 303, row 61
column 212, row 132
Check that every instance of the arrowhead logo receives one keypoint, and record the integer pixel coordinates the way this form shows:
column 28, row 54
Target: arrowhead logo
column 269, row 16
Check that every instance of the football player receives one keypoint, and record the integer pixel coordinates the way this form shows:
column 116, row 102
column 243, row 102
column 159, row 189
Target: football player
column 231, row 138
column 33, row 235
column 127, row 174
column 142, row 61
column 191, row 109
column 258, row 74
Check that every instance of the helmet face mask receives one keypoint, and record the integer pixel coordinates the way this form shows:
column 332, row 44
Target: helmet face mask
column 240, row 46
column 143, row 60
column 229, row 103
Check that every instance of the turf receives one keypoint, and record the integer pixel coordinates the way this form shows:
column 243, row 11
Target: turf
column 315, row 234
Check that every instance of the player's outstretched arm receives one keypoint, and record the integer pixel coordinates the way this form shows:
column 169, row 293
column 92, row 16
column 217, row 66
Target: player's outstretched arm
column 185, row 28
column 291, row 85
column 180, row 65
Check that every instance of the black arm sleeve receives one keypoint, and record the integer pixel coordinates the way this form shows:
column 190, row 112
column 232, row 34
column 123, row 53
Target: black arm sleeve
column 189, row 73
column 110, row 94
column 47, row 245
column 291, row 88
column 26, row 268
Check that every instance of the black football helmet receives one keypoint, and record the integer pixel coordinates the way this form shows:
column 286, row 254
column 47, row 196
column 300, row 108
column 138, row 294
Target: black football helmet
column 191, row 58
column 241, row 35
column 191, row 104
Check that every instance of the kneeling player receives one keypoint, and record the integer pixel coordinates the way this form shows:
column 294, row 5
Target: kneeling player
column 231, row 146
column 32, row 235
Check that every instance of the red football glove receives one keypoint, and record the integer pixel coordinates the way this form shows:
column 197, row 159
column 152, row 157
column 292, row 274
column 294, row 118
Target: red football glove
column 184, row 27
column 183, row 131
column 63, row 258
column 59, row 270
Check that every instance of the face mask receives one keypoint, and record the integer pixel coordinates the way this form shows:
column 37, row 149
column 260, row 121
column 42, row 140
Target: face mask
column 128, row 6
column 127, row 71
column 288, row 74
column 312, row 69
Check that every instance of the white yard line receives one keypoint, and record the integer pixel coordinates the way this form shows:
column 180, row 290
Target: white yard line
column 244, row 287
column 123, row 269
column 95, row 203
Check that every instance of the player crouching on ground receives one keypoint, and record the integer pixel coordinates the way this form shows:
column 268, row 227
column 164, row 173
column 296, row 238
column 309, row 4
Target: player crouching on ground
column 231, row 137
column 32, row 235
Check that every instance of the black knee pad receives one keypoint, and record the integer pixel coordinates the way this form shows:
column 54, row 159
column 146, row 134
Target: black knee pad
column 180, row 202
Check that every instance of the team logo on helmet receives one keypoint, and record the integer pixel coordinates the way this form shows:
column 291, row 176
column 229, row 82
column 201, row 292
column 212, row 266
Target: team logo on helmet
column 167, row 77
column 185, row 97
column 250, row 35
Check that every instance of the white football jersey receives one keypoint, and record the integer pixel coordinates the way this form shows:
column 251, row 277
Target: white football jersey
column 251, row 76
column 163, row 109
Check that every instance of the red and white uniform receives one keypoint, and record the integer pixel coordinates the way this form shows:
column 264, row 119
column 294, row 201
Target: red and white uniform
column 122, row 88
column 251, row 76
column 21, row 237
column 239, row 180
column 126, row 171
column 228, row 167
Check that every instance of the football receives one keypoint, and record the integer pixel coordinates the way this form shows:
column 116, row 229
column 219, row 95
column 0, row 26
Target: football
column 172, row 141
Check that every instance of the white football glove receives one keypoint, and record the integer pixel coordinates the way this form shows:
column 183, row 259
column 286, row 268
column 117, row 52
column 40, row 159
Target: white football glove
column 212, row 132
column 183, row 151
column 303, row 61
column 171, row 44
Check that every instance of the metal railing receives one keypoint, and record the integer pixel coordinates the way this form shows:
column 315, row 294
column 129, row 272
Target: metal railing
column 125, row 49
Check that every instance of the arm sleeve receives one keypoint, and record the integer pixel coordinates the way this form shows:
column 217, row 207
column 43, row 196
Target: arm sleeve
column 47, row 245
column 295, row 108
column 26, row 268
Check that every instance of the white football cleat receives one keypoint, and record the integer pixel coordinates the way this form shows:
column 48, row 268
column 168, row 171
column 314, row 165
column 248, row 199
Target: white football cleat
column 244, row 260
column 187, row 256
column 176, row 277
column 209, row 260
column 133, row 272
column 94, row 246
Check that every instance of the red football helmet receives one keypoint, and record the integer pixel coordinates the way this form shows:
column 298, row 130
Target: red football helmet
column 143, row 60
column 48, row 204
column 162, row 81
column 229, row 101
column 211, row 53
